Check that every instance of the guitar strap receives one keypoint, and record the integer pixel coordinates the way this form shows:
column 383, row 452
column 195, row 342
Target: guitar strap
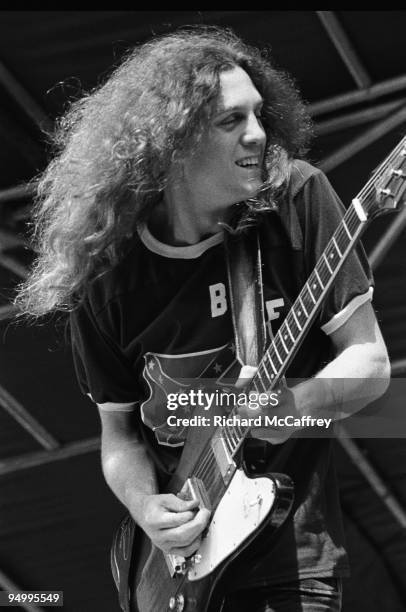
column 244, row 269
column 243, row 257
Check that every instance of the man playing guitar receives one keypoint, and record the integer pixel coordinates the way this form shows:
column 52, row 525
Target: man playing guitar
column 193, row 130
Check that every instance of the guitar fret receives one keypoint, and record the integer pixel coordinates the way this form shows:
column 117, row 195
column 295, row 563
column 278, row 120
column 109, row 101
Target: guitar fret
column 318, row 278
column 296, row 321
column 273, row 367
column 307, row 301
column 264, row 375
column 260, row 379
column 336, row 246
column 346, row 229
column 311, row 294
column 325, row 275
column 225, row 435
column 290, row 333
column 266, row 370
column 303, row 306
column 226, row 439
column 332, row 255
column 239, row 432
column 234, row 437
column 230, row 441
column 327, row 264
column 283, row 344
column 277, row 354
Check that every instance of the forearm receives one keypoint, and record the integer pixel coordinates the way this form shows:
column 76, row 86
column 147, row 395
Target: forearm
column 128, row 471
column 356, row 377
column 172, row 524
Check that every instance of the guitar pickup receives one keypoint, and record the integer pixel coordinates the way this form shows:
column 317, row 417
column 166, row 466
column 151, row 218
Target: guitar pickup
column 225, row 462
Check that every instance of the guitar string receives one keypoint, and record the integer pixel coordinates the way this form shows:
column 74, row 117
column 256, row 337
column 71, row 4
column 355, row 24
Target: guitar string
column 210, row 478
column 207, row 459
column 384, row 166
column 208, row 471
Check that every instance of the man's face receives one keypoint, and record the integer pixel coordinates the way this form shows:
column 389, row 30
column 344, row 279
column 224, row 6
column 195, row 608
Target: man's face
column 226, row 166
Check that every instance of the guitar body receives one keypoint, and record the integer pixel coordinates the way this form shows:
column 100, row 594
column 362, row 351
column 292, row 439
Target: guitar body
column 248, row 505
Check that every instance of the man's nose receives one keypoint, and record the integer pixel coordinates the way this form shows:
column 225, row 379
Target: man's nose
column 254, row 132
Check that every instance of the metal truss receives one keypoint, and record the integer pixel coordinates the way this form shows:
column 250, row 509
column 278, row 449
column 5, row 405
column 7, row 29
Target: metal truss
column 345, row 48
column 24, row 99
column 11, row 587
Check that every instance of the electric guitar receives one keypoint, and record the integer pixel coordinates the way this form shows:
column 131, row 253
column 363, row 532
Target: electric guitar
column 209, row 469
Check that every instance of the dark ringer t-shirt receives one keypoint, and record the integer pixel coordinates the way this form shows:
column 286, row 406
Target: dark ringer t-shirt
column 162, row 314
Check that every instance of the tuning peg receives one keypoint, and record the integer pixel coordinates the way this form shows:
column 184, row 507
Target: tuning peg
column 386, row 192
column 399, row 173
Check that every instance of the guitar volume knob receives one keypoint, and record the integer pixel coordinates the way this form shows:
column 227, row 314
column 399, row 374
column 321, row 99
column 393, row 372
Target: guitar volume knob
column 177, row 603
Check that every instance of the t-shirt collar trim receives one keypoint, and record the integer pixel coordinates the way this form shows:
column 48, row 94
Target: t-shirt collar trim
column 177, row 252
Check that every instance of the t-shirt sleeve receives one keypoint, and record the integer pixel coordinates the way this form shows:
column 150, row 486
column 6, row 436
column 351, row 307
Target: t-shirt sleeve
column 320, row 211
column 102, row 370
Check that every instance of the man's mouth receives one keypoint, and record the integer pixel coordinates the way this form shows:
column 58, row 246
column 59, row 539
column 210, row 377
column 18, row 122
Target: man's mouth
column 248, row 162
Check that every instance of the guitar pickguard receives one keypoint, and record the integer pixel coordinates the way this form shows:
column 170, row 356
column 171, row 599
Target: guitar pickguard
column 244, row 506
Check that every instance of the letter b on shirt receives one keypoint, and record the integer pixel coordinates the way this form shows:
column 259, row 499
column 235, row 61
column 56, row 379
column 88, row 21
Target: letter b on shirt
column 218, row 300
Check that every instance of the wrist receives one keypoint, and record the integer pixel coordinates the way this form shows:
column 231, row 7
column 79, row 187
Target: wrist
column 135, row 501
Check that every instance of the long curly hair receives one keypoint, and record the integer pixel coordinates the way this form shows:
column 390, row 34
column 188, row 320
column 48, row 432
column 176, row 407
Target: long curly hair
column 114, row 147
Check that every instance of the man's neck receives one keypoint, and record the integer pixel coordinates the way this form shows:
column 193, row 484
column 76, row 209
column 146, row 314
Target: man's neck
column 185, row 223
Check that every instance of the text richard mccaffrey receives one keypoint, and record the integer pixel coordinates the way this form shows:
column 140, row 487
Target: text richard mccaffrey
column 230, row 399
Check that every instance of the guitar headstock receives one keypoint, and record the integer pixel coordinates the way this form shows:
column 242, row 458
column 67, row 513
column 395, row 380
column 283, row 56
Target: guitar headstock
column 386, row 190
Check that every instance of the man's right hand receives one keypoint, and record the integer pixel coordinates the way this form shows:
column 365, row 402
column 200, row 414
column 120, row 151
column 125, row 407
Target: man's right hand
column 172, row 524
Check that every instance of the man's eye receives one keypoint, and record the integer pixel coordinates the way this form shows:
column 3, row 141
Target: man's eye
column 230, row 120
